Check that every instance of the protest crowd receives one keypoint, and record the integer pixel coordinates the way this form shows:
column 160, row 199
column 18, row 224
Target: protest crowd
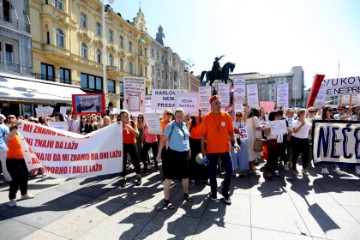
column 192, row 149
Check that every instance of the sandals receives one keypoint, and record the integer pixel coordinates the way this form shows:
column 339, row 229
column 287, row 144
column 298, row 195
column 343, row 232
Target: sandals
column 168, row 204
column 187, row 197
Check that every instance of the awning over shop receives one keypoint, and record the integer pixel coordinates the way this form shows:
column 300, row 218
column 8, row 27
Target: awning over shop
column 20, row 89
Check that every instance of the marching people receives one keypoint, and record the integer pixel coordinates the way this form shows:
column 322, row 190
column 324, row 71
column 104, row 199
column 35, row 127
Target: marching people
column 289, row 119
column 342, row 115
column 106, row 121
column 73, row 123
column 140, row 126
column 175, row 160
column 327, row 115
column 272, row 146
column 16, row 166
column 310, row 118
column 4, row 130
column 130, row 132
column 85, row 126
column 253, row 127
column 149, row 141
column 216, row 128
column 300, row 142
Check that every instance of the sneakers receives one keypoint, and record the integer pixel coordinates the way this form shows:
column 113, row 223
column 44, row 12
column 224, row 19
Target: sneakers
column 213, row 196
column 286, row 167
column 27, row 196
column 123, row 183
column 138, row 181
column 357, row 171
column 324, row 170
column 338, row 171
column 148, row 167
column 12, row 203
column 227, row 199
column 305, row 172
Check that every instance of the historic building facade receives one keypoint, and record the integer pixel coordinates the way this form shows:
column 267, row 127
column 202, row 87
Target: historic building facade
column 267, row 84
column 67, row 45
column 167, row 68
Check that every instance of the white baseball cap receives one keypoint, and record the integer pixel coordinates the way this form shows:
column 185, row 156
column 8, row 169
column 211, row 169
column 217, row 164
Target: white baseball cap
column 2, row 116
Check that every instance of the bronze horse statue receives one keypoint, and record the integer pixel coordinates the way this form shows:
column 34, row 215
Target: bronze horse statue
column 212, row 76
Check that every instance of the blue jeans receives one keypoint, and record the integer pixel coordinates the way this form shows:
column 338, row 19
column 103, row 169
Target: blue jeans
column 227, row 164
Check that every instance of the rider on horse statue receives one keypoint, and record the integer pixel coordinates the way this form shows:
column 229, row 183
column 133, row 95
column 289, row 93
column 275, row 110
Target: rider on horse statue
column 216, row 69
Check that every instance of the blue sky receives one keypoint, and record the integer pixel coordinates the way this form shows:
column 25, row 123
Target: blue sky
column 266, row 36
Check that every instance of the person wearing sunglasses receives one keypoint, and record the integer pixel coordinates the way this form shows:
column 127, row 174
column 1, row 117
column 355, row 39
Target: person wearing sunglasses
column 85, row 127
column 140, row 125
column 341, row 115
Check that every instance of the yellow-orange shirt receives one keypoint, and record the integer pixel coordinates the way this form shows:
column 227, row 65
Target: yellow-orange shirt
column 14, row 146
column 216, row 129
column 195, row 131
column 163, row 126
column 128, row 136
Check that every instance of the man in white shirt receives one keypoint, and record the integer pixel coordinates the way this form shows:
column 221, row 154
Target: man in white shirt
column 73, row 123
column 341, row 115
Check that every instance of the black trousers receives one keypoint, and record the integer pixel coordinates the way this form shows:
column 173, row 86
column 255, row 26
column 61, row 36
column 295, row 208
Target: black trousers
column 155, row 147
column 131, row 149
column 19, row 174
column 300, row 145
column 273, row 155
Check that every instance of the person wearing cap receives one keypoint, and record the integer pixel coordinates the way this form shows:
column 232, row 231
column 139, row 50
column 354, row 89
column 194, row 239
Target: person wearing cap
column 4, row 131
column 216, row 128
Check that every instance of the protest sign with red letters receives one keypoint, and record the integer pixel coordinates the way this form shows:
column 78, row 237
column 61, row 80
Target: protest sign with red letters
column 67, row 154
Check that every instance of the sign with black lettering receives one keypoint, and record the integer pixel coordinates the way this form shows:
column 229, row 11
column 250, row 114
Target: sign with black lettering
column 336, row 142
column 162, row 99
column 342, row 86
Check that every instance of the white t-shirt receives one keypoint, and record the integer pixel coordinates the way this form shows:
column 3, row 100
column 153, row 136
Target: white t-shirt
column 238, row 125
column 303, row 133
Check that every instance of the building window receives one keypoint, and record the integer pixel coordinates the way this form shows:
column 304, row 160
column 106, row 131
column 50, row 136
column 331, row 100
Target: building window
column 0, row 52
column 98, row 56
column 141, row 51
column 121, row 88
column 65, row 75
column 9, row 54
column 145, row 52
column 111, row 86
column 91, row 82
column 59, row 4
column 47, row 72
column 7, row 11
column 121, row 41
column 130, row 47
column 111, row 60
column 146, row 72
column 121, row 64
column 153, row 71
column 47, row 37
column 84, row 50
column 152, row 53
column 83, row 20
column 59, row 38
column 157, row 56
column 130, row 68
column 140, row 72
column 111, row 35
column 98, row 29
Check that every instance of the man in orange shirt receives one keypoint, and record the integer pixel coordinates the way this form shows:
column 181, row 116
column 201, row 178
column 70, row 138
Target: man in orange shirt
column 216, row 128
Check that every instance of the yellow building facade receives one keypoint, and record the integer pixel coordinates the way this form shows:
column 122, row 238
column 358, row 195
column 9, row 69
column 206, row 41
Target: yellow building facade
column 67, row 45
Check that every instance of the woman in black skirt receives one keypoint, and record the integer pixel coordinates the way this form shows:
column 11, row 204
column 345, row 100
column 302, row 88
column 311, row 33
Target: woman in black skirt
column 176, row 157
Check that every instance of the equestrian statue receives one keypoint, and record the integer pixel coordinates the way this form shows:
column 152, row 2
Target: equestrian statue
column 218, row 73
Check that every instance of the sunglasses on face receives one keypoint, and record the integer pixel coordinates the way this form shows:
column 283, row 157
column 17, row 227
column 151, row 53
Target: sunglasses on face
column 239, row 115
column 340, row 109
column 330, row 110
column 311, row 111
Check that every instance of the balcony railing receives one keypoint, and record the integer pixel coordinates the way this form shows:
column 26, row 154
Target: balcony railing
column 13, row 23
column 17, row 68
column 51, row 79
column 111, row 68
column 53, row 48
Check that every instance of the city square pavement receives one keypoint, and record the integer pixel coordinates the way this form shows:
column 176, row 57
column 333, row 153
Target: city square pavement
column 287, row 207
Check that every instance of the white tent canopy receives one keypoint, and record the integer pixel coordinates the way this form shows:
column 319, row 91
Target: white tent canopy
column 20, row 89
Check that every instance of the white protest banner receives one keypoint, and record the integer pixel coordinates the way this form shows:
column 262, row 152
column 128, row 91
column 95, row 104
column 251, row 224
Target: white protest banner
column 277, row 127
column 224, row 94
column 243, row 135
column 116, row 110
column 134, row 95
column 164, row 98
column 320, row 97
column 282, row 96
column 59, row 125
column 239, row 90
column 67, row 154
column 204, row 96
column 239, row 108
column 148, row 108
column 336, row 142
column 188, row 102
column 354, row 100
column 252, row 95
column 44, row 111
column 342, row 86
column 63, row 111
column 153, row 124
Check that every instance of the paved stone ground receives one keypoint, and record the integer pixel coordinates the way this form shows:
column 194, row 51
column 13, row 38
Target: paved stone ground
column 288, row 207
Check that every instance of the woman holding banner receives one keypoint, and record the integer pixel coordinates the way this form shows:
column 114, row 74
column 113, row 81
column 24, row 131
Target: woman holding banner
column 176, row 159
column 16, row 166
column 130, row 132
column 148, row 141
column 300, row 142
column 140, row 126
column 253, row 127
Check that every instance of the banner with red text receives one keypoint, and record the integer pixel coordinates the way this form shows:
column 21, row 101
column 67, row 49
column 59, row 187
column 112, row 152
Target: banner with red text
column 67, row 154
